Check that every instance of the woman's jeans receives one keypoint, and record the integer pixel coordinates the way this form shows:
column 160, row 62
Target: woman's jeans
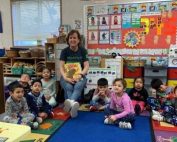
column 73, row 91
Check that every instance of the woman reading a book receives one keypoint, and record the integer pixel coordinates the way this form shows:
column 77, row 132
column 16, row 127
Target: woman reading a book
column 73, row 68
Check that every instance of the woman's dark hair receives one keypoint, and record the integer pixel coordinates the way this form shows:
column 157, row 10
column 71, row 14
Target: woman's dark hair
column 71, row 33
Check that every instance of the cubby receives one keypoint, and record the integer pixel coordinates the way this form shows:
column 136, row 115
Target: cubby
column 37, row 62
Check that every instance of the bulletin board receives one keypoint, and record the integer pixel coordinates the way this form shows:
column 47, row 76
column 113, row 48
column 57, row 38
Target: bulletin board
column 131, row 28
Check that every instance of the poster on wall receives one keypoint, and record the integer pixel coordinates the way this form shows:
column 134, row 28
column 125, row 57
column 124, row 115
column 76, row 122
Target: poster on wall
column 104, row 37
column 153, row 22
column 93, row 22
column 116, row 21
column 93, row 37
column 114, row 9
column 103, row 22
column 115, row 36
column 100, row 9
column 126, row 20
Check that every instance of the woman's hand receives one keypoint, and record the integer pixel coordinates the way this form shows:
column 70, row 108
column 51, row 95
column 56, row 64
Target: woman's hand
column 70, row 80
column 77, row 77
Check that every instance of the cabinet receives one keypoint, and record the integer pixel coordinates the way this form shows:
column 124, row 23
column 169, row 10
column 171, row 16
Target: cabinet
column 36, row 62
column 172, row 76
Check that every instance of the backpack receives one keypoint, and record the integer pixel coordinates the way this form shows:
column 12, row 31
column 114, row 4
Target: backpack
column 88, row 96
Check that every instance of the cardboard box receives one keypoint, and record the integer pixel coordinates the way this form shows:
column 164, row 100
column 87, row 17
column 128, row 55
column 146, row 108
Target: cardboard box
column 52, row 40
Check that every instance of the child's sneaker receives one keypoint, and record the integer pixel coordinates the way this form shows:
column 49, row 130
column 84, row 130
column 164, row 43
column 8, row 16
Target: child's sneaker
column 155, row 112
column 39, row 120
column 125, row 125
column 33, row 125
column 137, row 109
column 108, row 121
column 67, row 105
column 157, row 117
column 121, row 124
column 74, row 109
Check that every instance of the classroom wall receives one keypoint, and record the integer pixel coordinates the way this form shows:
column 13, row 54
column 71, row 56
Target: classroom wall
column 6, row 36
column 71, row 10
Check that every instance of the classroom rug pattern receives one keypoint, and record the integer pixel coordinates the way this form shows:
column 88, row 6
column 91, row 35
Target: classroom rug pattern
column 49, row 126
column 165, row 136
column 163, row 126
column 89, row 127
column 164, row 132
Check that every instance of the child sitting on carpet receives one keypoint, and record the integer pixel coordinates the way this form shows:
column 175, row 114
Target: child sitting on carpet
column 166, row 97
column 37, row 103
column 16, row 107
column 138, row 95
column 101, row 95
column 120, row 111
column 49, row 87
column 24, row 81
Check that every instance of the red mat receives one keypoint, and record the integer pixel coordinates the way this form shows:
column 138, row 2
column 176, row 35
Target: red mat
column 60, row 114
column 156, row 126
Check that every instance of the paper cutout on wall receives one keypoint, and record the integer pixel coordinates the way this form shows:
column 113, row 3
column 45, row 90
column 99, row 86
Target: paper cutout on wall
column 132, row 39
column 93, row 37
column 116, row 21
column 93, row 22
column 103, row 22
column 104, row 37
column 115, row 36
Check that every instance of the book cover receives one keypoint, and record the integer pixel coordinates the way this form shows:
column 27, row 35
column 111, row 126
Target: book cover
column 72, row 70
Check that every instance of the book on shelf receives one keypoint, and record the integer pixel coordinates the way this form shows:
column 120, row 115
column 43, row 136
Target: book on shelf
column 72, row 70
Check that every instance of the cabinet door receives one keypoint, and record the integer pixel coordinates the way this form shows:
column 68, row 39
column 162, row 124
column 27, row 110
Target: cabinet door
column 172, row 73
column 155, row 72
column 136, row 72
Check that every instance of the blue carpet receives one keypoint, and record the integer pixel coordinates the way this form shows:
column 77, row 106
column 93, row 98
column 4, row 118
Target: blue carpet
column 89, row 127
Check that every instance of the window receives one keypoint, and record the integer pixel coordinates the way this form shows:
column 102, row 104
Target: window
column 34, row 21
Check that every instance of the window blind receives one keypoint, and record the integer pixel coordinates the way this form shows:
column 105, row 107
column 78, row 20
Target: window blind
column 35, row 19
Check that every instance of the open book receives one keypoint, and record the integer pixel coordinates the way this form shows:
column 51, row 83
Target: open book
column 72, row 70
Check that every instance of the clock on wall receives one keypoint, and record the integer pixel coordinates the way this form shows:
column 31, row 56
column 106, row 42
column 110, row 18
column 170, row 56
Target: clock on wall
column 132, row 39
column 174, row 61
